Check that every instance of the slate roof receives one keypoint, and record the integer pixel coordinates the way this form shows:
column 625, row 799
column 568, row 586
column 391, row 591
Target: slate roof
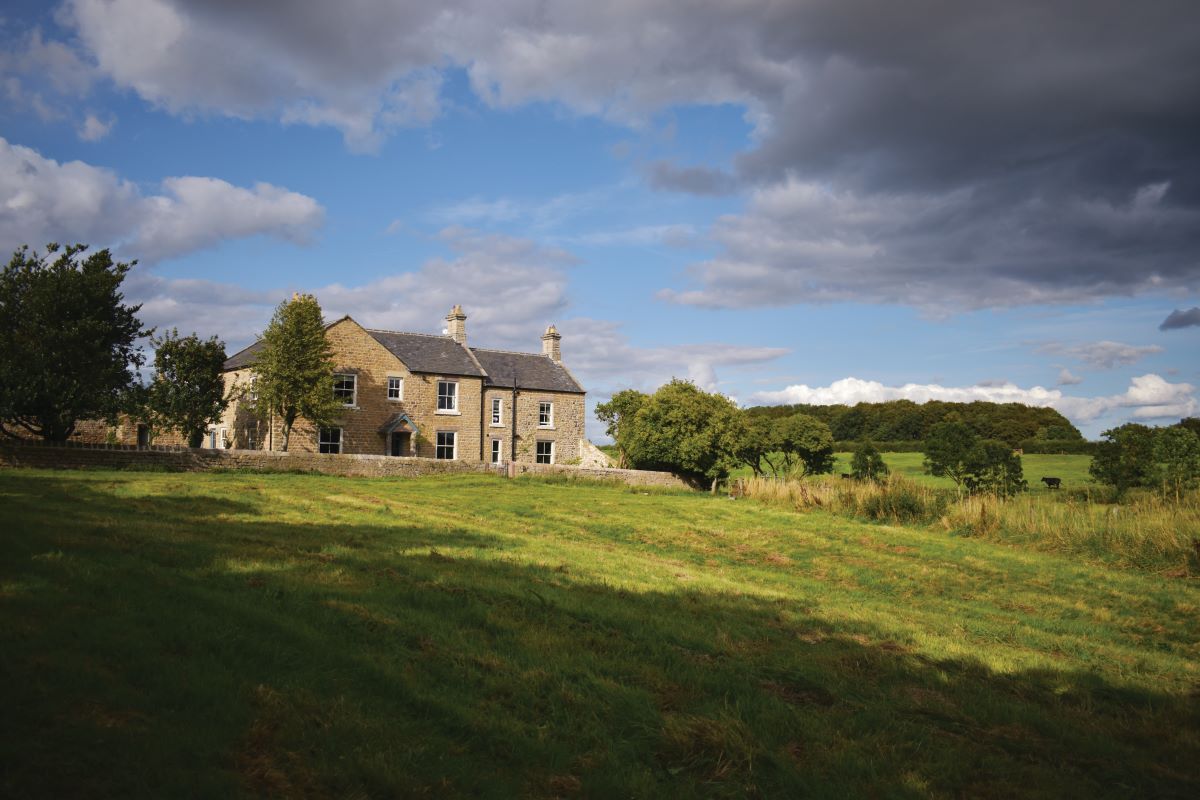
column 423, row 352
column 532, row 371
column 441, row 355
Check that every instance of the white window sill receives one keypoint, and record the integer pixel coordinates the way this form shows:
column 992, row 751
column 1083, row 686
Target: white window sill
column 496, row 425
column 448, row 413
column 547, row 428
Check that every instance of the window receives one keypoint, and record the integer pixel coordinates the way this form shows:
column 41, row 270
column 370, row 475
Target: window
column 545, row 453
column 447, row 442
column 496, row 451
column 252, row 395
column 329, row 440
column 345, row 388
column 447, row 396
column 395, row 388
column 251, row 438
column 212, row 439
column 497, row 411
column 223, row 438
column 545, row 415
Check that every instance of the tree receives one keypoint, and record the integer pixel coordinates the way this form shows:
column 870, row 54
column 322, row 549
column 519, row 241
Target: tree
column 867, row 464
column 993, row 467
column 948, row 450
column 295, row 366
column 806, row 444
column 756, row 443
column 188, row 392
column 619, row 410
column 1125, row 457
column 68, row 344
column 684, row 429
column 1177, row 451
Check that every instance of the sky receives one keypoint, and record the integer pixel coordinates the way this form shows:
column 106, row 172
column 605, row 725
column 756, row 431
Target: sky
column 809, row 201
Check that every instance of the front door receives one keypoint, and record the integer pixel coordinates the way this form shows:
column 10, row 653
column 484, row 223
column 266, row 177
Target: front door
column 401, row 442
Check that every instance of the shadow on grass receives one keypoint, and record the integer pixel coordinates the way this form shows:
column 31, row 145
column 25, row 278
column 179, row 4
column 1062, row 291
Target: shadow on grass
column 174, row 655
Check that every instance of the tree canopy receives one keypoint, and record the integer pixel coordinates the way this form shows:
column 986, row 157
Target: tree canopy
column 867, row 464
column 68, row 343
column 295, row 367
column 1124, row 457
column 678, row 428
column 188, row 392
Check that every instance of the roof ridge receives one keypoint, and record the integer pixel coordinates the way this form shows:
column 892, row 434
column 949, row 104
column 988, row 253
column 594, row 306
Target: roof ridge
column 510, row 352
column 407, row 333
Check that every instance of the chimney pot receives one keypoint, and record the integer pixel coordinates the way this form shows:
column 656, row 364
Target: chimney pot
column 457, row 326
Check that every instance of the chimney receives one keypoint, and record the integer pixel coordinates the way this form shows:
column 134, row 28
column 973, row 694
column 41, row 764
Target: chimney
column 457, row 327
column 550, row 342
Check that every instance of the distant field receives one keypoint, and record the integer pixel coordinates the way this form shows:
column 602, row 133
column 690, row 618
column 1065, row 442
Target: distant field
column 219, row 635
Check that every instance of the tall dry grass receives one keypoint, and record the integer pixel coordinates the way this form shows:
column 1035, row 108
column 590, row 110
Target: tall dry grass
column 1148, row 531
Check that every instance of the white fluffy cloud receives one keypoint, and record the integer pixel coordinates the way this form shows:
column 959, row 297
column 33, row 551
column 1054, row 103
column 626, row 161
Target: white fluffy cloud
column 1148, row 397
column 42, row 200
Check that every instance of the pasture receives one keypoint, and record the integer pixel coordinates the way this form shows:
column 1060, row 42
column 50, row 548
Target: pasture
column 291, row 635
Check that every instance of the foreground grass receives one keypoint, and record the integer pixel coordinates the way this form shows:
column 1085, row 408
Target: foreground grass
column 208, row 635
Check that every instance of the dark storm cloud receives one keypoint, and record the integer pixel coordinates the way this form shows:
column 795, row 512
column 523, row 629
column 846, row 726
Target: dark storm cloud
column 1181, row 319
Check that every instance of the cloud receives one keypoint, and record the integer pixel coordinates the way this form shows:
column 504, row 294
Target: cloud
column 690, row 180
column 1102, row 355
column 1181, row 319
column 1148, row 397
column 42, row 200
column 94, row 129
column 1066, row 378
column 964, row 248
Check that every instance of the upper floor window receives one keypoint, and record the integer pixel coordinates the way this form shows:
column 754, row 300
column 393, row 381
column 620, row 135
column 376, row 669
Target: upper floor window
column 252, row 394
column 329, row 440
column 447, row 396
column 395, row 388
column 545, row 415
column 345, row 388
column 497, row 411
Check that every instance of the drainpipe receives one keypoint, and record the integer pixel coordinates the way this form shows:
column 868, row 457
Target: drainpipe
column 513, row 436
column 482, row 425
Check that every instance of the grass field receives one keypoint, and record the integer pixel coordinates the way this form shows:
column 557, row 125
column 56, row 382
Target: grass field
column 279, row 635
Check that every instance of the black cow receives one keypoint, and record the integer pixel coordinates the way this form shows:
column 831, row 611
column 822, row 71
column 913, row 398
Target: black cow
column 845, row 476
column 1052, row 483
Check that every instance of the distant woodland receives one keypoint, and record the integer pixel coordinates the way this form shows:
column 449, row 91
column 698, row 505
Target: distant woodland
column 903, row 424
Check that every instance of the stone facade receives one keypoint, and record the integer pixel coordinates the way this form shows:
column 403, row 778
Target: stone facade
column 364, row 423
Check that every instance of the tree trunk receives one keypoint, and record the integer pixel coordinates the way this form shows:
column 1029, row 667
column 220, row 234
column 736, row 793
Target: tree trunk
column 195, row 438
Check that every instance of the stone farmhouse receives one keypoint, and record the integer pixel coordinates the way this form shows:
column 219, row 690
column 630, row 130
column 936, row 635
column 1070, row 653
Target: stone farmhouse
column 430, row 396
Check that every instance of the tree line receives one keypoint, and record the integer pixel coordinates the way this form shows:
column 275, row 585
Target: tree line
column 705, row 436
column 71, row 350
column 906, row 421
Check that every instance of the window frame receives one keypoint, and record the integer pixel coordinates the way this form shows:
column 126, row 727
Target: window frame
column 353, row 391
column 399, row 389
column 437, row 445
column 340, row 443
column 537, row 456
column 497, row 454
column 497, row 412
column 549, row 423
column 252, row 392
column 452, row 409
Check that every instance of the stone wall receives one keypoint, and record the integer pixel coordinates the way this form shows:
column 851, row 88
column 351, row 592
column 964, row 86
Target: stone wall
column 201, row 460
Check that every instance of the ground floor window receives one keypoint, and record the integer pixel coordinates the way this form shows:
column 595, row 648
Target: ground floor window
column 496, row 449
column 545, row 452
column 447, row 445
column 251, row 438
column 329, row 440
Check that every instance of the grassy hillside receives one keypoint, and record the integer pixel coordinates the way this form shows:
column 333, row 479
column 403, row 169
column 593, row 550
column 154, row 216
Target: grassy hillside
column 208, row 635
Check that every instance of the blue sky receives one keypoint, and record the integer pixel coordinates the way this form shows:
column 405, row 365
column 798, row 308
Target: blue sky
column 814, row 201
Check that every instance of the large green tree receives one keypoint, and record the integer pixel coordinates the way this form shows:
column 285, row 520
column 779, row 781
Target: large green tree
column 68, row 343
column 758, row 444
column 295, row 367
column 1124, row 458
column 686, row 430
column 617, row 412
column 948, row 450
column 806, row 444
column 188, row 392
column 993, row 467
